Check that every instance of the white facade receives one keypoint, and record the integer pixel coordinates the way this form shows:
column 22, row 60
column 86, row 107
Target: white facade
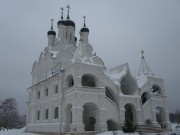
column 73, row 90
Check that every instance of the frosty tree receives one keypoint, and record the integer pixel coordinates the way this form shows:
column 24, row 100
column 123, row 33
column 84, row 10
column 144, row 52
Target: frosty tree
column 8, row 113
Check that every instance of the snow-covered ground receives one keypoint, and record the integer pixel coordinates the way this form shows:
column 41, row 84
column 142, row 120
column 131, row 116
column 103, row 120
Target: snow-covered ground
column 175, row 127
column 15, row 132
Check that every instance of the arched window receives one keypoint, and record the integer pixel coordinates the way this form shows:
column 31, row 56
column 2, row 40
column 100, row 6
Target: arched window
column 38, row 115
column 56, row 113
column 144, row 97
column 70, row 81
column 66, row 34
column 89, row 80
column 56, row 89
column 156, row 89
column 70, row 36
column 46, row 114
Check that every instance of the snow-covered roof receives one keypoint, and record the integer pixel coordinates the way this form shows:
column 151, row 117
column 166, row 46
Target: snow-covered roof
column 141, row 80
column 144, row 68
column 54, row 54
column 116, row 73
column 84, row 55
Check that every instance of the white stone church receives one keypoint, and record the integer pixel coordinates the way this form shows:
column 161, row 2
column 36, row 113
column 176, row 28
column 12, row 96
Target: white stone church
column 72, row 90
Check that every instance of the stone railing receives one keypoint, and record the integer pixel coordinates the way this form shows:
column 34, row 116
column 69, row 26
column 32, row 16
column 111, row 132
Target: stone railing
column 85, row 89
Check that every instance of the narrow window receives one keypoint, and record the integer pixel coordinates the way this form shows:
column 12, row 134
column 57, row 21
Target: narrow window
column 70, row 36
column 56, row 89
column 66, row 34
column 46, row 114
column 38, row 115
column 38, row 95
column 56, row 113
column 46, row 92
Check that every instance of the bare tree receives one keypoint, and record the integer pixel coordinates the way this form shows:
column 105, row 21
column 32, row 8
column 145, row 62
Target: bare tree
column 9, row 113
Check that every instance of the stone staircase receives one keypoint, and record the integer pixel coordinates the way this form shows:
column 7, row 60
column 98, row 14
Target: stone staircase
column 72, row 133
column 150, row 129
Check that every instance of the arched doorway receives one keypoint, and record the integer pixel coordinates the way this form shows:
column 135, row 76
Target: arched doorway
column 68, row 117
column 156, row 89
column 112, row 125
column 90, row 124
column 130, row 114
column 160, row 116
column 89, row 116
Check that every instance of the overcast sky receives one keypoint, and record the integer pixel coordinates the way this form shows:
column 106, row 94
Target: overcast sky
column 118, row 31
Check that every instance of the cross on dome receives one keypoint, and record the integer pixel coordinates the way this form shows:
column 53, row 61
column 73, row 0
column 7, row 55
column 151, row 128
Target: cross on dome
column 62, row 10
column 142, row 51
column 68, row 8
column 84, row 17
column 52, row 21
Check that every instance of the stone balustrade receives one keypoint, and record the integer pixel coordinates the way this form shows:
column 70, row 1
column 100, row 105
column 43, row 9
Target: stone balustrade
column 85, row 89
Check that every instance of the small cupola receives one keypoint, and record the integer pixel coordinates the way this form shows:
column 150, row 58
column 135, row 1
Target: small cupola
column 51, row 34
column 84, row 29
column 51, row 31
column 84, row 32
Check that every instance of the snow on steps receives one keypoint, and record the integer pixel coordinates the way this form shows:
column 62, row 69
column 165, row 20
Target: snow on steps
column 150, row 129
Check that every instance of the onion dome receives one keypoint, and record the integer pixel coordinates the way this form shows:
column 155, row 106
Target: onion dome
column 51, row 31
column 68, row 22
column 84, row 29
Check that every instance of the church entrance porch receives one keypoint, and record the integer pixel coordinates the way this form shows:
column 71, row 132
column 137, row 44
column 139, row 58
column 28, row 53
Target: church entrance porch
column 160, row 117
column 130, row 114
column 90, row 115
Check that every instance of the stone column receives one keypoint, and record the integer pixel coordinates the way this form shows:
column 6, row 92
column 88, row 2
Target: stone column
column 77, row 80
column 77, row 119
column 101, row 125
column 154, row 121
column 139, row 117
column 122, row 116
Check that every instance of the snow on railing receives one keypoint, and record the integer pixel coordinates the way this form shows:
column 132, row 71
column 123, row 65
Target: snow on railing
column 94, row 90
